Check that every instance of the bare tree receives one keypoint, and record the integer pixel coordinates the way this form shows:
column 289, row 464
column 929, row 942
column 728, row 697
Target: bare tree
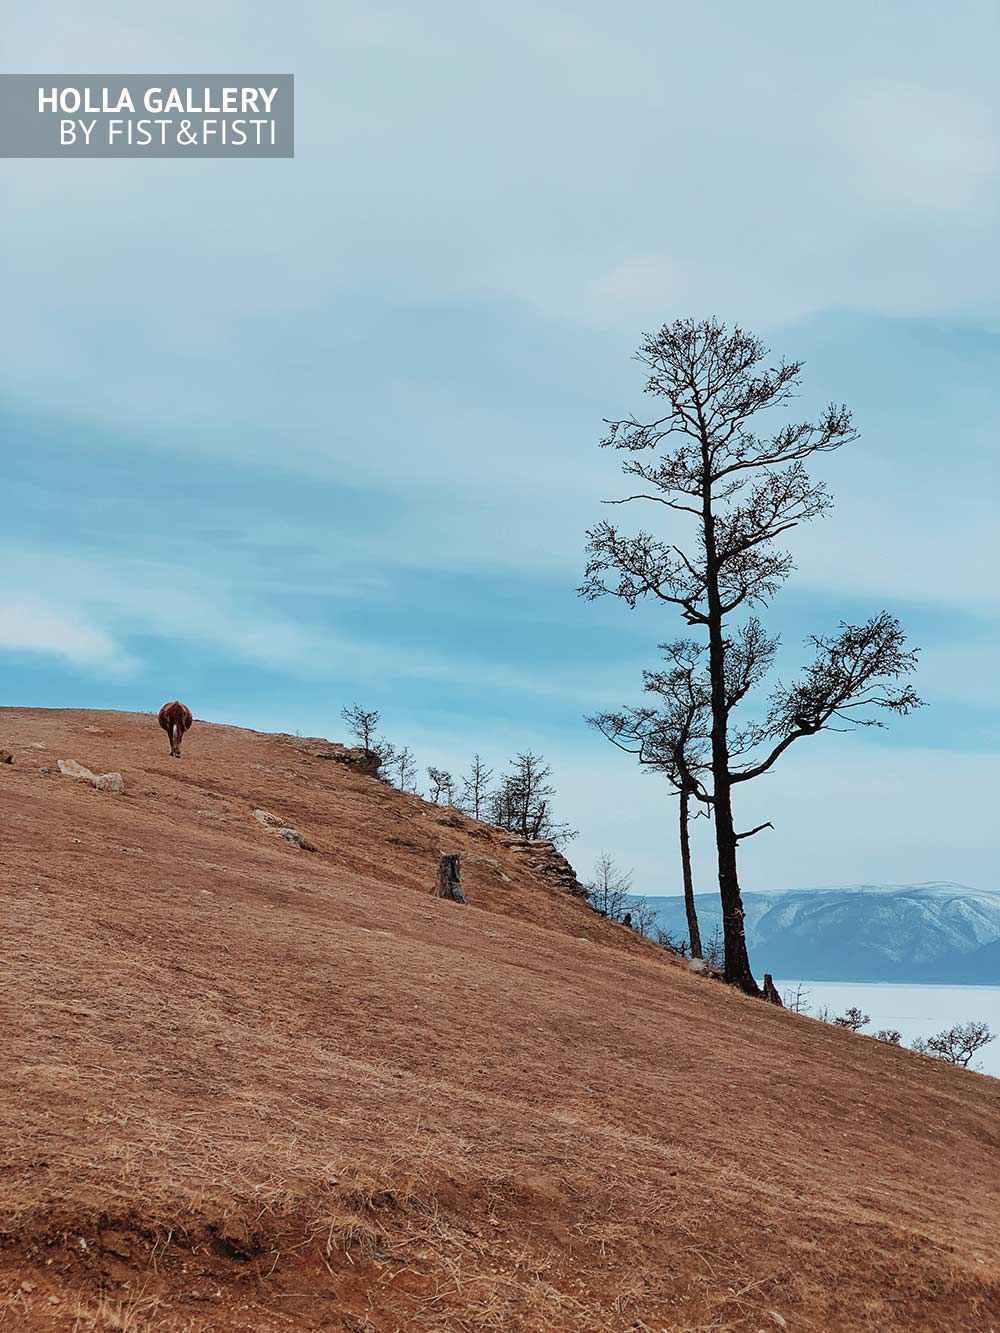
column 797, row 1000
column 363, row 725
column 610, row 889
column 672, row 943
column 730, row 494
column 714, row 949
column 957, row 1045
column 891, row 1036
column 523, row 802
column 442, row 785
column 403, row 766
column 643, row 916
column 475, row 789
column 671, row 739
column 853, row 1019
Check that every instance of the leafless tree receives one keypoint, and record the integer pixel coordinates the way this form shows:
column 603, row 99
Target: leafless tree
column 729, row 494
column 475, row 789
column 957, row 1045
column 797, row 1000
column 610, row 889
column 891, row 1036
column 714, row 949
column 363, row 725
column 403, row 767
column 523, row 802
column 442, row 785
column 643, row 917
column 672, row 943
column 853, row 1019
column 671, row 739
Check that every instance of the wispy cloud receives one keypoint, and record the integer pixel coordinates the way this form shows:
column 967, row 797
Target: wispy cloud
column 30, row 625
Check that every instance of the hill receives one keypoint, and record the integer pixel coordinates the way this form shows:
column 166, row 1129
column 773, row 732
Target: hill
column 248, row 1086
column 932, row 933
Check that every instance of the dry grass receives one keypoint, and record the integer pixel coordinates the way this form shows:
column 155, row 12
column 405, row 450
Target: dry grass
column 252, row 1088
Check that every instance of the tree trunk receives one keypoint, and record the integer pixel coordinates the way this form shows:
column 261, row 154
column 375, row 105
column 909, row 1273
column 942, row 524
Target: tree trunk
column 449, row 880
column 694, row 934
column 771, row 991
column 737, row 963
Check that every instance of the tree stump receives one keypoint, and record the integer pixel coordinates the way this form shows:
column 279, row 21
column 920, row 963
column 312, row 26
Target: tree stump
column 449, row 880
column 771, row 991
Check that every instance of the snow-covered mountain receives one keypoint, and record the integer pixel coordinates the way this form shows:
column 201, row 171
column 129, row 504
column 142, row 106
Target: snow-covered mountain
column 937, row 932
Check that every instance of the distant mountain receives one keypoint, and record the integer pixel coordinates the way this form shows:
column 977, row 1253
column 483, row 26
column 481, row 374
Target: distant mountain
column 932, row 933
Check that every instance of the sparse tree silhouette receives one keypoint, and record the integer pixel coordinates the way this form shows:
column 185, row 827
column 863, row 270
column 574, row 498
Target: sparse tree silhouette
column 523, row 802
column 403, row 767
column 610, row 889
column 853, row 1019
column 476, row 789
column 672, row 943
column 714, row 949
column 957, row 1045
column 442, row 785
column 671, row 739
column 891, row 1036
column 797, row 1000
column 730, row 493
column 643, row 917
column 363, row 725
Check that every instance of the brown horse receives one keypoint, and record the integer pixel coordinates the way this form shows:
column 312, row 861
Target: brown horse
column 175, row 719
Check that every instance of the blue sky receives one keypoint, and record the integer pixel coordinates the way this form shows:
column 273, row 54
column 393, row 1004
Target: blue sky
column 283, row 435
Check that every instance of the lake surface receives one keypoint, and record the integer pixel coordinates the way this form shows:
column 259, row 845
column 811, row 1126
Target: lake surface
column 917, row 1011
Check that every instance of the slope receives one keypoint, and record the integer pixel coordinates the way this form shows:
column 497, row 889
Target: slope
column 252, row 1087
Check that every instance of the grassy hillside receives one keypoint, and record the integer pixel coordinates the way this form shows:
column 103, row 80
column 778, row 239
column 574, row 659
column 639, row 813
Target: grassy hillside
column 248, row 1086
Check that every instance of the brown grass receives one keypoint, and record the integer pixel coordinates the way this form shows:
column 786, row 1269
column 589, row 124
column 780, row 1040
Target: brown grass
column 247, row 1087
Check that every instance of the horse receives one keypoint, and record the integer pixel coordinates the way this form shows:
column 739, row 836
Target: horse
column 175, row 719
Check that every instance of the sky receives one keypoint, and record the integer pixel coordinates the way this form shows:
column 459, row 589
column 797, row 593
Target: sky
column 279, row 436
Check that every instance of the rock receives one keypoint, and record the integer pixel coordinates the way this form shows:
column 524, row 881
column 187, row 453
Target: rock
column 545, row 859
column 705, row 969
column 45, row 771
column 293, row 836
column 452, row 819
column 6, row 757
column 352, row 756
column 488, row 861
column 113, row 782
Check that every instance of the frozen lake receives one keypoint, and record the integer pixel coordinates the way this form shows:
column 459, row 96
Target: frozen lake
column 917, row 1011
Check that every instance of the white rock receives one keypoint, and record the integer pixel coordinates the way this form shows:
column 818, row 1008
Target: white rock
column 293, row 836
column 113, row 782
